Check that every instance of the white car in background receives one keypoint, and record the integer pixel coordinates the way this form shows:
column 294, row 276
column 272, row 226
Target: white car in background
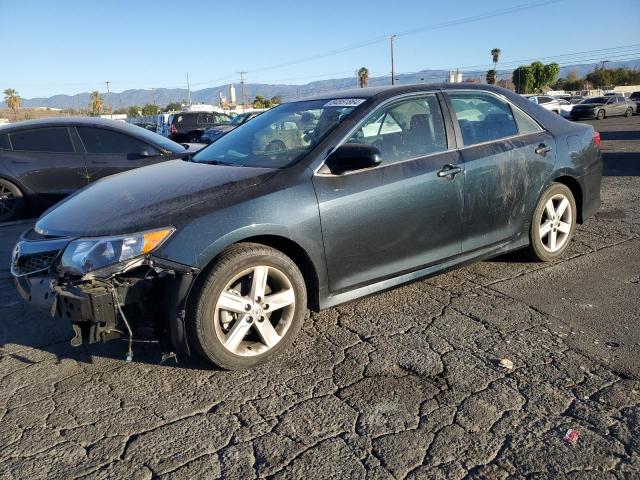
column 565, row 107
column 547, row 102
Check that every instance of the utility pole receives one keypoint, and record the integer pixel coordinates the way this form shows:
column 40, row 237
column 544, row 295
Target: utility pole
column 393, row 70
column 153, row 96
column 188, row 89
column 109, row 99
column 244, row 98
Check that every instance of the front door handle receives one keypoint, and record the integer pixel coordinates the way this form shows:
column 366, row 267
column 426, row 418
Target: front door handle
column 542, row 149
column 449, row 171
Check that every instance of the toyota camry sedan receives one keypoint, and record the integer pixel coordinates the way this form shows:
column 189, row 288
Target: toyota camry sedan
column 223, row 255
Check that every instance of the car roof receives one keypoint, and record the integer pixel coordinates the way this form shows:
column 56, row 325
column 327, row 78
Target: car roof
column 390, row 91
column 69, row 121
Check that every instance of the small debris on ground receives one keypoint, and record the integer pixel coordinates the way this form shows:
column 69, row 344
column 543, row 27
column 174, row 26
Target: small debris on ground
column 506, row 363
column 571, row 436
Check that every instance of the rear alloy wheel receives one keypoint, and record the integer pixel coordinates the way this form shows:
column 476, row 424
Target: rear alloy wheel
column 629, row 112
column 250, row 307
column 600, row 115
column 11, row 201
column 553, row 223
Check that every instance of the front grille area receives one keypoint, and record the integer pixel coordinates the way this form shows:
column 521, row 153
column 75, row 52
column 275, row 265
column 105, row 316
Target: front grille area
column 26, row 264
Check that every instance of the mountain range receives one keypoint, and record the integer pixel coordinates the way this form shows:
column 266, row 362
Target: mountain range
column 163, row 96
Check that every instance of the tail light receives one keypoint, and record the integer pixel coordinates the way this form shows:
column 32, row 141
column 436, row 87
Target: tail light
column 174, row 130
column 596, row 138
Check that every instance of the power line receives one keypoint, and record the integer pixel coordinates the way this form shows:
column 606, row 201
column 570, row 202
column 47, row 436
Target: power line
column 382, row 38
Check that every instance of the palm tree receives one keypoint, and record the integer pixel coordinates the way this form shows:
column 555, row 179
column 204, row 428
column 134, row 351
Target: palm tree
column 491, row 76
column 363, row 77
column 495, row 55
column 96, row 103
column 12, row 99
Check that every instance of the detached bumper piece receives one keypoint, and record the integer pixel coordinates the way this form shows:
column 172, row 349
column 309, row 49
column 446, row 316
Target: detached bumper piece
column 92, row 311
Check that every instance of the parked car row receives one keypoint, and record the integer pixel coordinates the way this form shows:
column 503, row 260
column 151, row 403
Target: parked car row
column 311, row 204
column 576, row 108
column 42, row 161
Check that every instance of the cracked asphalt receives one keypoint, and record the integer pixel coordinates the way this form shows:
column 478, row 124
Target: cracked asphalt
column 404, row 384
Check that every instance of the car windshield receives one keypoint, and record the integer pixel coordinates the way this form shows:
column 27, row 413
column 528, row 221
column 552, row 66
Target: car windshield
column 635, row 95
column 279, row 137
column 595, row 100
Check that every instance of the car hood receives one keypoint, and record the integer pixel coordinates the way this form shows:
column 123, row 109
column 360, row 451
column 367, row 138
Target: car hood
column 164, row 194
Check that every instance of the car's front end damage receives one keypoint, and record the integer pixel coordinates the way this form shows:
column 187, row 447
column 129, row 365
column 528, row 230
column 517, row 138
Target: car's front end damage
column 107, row 287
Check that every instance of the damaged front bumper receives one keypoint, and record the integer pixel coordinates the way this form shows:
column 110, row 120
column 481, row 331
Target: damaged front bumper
column 145, row 299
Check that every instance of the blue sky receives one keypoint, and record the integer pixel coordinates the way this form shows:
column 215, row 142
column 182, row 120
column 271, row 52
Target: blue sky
column 51, row 47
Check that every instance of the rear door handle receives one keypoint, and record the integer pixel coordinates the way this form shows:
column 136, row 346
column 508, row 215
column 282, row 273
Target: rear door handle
column 449, row 171
column 542, row 149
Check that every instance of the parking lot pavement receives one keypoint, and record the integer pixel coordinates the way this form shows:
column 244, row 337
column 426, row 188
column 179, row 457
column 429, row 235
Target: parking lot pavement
column 405, row 384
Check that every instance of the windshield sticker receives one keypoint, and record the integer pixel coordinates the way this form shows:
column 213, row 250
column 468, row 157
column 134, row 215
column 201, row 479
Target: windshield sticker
column 344, row 102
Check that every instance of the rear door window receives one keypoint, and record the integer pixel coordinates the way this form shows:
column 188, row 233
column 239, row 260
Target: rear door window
column 482, row 117
column 48, row 139
column 105, row 142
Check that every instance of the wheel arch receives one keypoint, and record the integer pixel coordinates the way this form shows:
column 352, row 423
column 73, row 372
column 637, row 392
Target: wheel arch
column 289, row 247
column 576, row 189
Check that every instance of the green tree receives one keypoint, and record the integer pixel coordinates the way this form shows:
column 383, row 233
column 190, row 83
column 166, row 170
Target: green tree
column 533, row 78
column 96, row 104
column 133, row 112
column 12, row 99
column 523, row 80
column 261, row 102
column 276, row 100
column 363, row 77
column 150, row 109
column 491, row 76
column 173, row 107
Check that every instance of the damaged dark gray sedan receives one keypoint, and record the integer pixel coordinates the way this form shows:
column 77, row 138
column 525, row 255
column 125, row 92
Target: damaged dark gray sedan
column 311, row 204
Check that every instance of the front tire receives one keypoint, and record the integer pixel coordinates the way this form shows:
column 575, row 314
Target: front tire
column 629, row 112
column 601, row 114
column 11, row 201
column 249, row 308
column 553, row 223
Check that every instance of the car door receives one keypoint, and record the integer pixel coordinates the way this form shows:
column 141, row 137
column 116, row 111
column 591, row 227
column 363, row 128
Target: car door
column 505, row 155
column 403, row 214
column 46, row 161
column 109, row 152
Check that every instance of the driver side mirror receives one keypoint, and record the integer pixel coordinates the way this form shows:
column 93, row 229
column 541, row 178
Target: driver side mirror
column 353, row 156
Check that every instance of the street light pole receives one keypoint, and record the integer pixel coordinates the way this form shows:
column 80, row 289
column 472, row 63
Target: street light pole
column 188, row 89
column 244, row 99
column 109, row 100
column 393, row 70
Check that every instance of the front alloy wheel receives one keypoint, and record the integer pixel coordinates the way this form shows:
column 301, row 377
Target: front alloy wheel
column 250, row 307
column 553, row 223
column 254, row 310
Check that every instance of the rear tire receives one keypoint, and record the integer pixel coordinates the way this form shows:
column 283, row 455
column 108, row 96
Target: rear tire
column 601, row 115
column 11, row 201
column 553, row 223
column 629, row 112
column 249, row 308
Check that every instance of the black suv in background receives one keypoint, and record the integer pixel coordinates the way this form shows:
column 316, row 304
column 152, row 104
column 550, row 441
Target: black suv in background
column 189, row 126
